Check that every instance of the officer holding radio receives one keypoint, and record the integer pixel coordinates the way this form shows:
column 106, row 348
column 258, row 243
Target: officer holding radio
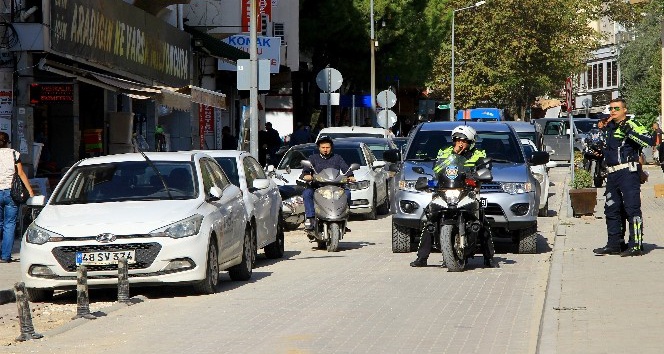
column 625, row 138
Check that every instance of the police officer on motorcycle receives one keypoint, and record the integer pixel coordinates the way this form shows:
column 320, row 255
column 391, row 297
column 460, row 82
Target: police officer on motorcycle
column 625, row 138
column 463, row 138
column 325, row 158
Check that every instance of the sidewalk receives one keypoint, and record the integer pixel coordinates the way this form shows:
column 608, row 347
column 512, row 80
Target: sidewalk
column 10, row 274
column 605, row 304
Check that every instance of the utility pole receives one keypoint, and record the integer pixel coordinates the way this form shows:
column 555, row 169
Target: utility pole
column 662, row 89
column 373, row 67
column 253, row 82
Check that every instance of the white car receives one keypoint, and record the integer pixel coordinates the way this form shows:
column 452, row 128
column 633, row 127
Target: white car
column 355, row 131
column 261, row 198
column 369, row 195
column 174, row 216
column 541, row 173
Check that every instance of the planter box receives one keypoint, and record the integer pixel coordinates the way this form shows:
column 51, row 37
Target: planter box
column 583, row 201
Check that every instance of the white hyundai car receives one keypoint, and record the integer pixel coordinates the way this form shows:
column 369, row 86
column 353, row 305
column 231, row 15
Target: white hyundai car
column 261, row 198
column 541, row 173
column 174, row 216
column 369, row 194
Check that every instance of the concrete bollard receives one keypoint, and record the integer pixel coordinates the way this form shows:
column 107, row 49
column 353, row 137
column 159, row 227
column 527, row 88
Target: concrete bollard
column 24, row 314
column 82, row 296
column 123, row 282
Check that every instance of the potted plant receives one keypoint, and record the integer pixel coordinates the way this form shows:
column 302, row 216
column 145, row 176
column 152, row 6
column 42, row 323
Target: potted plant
column 582, row 196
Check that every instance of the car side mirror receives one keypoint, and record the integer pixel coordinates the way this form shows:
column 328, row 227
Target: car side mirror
column 269, row 168
column 548, row 149
column 567, row 131
column 215, row 193
column 378, row 164
column 36, row 201
column 260, row 183
column 539, row 158
column 551, row 164
column 484, row 162
column 392, row 155
column 422, row 183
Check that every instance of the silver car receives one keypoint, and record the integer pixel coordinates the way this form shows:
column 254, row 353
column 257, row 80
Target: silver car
column 556, row 134
column 512, row 196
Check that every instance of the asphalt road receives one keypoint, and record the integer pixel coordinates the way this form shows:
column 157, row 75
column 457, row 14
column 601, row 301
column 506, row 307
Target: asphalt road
column 363, row 298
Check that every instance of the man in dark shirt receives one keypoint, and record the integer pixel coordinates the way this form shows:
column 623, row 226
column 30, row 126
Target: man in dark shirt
column 300, row 136
column 228, row 141
column 325, row 158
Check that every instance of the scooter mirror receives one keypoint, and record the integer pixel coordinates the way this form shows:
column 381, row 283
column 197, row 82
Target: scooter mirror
column 306, row 164
column 354, row 166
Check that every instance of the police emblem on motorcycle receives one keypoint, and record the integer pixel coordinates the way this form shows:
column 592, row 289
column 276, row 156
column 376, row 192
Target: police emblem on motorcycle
column 451, row 172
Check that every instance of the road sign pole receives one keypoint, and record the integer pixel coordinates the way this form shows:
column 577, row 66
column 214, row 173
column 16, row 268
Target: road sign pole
column 253, row 86
column 329, row 100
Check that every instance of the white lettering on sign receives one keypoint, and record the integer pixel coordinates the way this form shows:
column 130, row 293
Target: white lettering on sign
column 267, row 48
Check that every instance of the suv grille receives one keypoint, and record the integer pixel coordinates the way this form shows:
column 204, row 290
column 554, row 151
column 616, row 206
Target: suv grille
column 493, row 209
column 490, row 187
column 145, row 255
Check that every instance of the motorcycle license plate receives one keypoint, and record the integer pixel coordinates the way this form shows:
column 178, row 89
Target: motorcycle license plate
column 483, row 202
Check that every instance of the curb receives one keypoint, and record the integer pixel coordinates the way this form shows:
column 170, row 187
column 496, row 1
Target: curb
column 7, row 296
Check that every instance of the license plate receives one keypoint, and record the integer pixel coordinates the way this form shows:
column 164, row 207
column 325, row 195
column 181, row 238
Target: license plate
column 104, row 258
column 483, row 202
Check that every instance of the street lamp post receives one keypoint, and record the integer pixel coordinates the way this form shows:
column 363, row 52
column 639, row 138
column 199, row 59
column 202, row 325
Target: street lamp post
column 479, row 3
column 372, row 48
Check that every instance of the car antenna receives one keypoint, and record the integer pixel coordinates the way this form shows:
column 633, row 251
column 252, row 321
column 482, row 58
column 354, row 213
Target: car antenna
column 151, row 164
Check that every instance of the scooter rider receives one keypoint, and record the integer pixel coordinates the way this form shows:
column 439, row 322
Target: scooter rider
column 464, row 138
column 625, row 139
column 325, row 158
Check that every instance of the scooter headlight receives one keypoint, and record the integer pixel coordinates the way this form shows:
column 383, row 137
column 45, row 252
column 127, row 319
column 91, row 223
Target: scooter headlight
column 331, row 194
column 452, row 196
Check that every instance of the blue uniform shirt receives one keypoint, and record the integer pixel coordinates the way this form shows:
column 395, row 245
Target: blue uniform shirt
column 624, row 142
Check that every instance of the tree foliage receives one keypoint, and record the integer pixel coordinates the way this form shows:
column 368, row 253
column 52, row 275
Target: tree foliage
column 641, row 65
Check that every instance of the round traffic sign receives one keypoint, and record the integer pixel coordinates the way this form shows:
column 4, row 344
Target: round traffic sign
column 386, row 99
column 386, row 118
column 329, row 79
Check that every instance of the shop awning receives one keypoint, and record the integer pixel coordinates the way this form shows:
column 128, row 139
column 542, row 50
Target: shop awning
column 214, row 46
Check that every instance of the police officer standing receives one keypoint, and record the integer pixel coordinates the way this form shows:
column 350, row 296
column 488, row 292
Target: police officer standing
column 625, row 138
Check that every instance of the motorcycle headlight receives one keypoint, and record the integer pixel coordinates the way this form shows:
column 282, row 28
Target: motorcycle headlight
column 452, row 196
column 37, row 235
column 516, row 187
column 539, row 177
column 183, row 228
column 331, row 194
column 359, row 185
column 407, row 185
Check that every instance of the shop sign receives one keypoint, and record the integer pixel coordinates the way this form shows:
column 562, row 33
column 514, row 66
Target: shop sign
column 51, row 93
column 121, row 38
column 205, row 123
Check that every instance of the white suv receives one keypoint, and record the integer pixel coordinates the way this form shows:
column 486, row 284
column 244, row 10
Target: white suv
column 354, row 131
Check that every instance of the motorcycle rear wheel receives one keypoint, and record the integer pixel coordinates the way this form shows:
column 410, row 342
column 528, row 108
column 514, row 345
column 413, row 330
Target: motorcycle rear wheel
column 335, row 235
column 448, row 235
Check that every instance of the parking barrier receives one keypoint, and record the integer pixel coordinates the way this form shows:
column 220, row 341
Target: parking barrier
column 82, row 296
column 24, row 314
column 123, row 282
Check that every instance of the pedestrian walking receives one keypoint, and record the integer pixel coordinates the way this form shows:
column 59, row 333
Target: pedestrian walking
column 273, row 142
column 625, row 139
column 10, row 163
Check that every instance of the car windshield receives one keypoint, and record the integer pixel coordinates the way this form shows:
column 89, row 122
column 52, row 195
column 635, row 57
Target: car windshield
column 351, row 155
column 127, row 180
column 502, row 147
column 584, row 126
column 229, row 165
column 353, row 134
column 294, row 156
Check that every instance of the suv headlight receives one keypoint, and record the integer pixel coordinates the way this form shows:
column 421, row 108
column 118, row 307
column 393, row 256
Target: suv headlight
column 184, row 228
column 37, row 235
column 516, row 187
column 407, row 185
column 359, row 185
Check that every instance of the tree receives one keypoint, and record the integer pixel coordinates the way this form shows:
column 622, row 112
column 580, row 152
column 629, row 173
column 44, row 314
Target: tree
column 641, row 65
column 509, row 52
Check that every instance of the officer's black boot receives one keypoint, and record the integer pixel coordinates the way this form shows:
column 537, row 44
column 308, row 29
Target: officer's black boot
column 419, row 262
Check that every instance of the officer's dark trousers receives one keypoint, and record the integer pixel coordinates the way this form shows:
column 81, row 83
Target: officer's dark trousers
column 424, row 249
column 623, row 198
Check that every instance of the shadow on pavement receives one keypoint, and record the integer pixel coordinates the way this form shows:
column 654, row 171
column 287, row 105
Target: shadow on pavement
column 262, row 261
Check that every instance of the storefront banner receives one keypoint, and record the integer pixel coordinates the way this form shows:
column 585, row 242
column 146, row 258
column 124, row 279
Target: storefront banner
column 121, row 38
column 264, row 10
column 205, row 123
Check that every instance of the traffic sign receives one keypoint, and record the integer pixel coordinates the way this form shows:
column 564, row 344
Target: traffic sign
column 329, row 79
column 386, row 118
column 386, row 99
column 443, row 106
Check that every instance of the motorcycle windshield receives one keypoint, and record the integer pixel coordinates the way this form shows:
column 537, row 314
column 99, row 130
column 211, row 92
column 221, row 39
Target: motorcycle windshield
column 329, row 175
column 453, row 172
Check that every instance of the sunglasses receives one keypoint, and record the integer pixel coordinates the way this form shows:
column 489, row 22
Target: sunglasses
column 616, row 108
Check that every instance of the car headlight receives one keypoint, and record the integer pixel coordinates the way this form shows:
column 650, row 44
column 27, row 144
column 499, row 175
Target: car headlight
column 516, row 187
column 183, row 228
column 37, row 235
column 539, row 177
column 330, row 193
column 359, row 185
column 407, row 185
column 452, row 196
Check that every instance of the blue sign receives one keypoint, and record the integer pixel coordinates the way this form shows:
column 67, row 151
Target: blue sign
column 481, row 114
column 360, row 100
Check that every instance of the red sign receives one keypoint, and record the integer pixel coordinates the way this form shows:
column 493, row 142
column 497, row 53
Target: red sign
column 264, row 10
column 205, row 122
column 51, row 93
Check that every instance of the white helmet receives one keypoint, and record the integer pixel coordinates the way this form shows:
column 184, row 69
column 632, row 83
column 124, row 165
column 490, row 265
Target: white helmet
column 465, row 132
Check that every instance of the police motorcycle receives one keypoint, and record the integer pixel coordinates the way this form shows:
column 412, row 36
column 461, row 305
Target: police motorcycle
column 456, row 211
column 331, row 206
column 292, row 204
column 593, row 159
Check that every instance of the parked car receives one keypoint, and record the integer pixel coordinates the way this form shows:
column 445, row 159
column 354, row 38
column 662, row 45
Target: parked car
column 556, row 134
column 541, row 173
column 261, row 198
column 174, row 216
column 530, row 131
column 347, row 132
column 369, row 194
column 512, row 199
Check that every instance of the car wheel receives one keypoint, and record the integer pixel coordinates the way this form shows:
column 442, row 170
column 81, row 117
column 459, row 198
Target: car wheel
column 209, row 284
column 254, row 246
column 38, row 294
column 242, row 271
column 384, row 208
column 276, row 249
column 528, row 240
column 400, row 238
column 372, row 214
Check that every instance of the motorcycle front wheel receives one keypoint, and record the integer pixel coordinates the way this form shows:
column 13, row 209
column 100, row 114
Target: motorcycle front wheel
column 335, row 235
column 448, row 236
